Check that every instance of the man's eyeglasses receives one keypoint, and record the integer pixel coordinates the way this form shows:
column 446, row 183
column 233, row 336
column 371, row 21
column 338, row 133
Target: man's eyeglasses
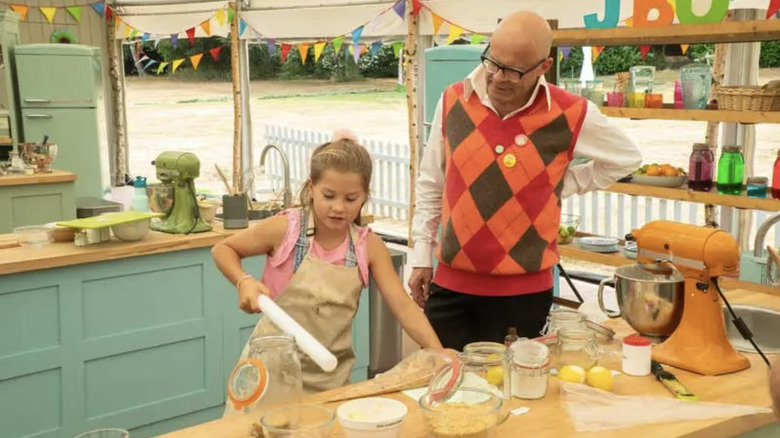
column 510, row 73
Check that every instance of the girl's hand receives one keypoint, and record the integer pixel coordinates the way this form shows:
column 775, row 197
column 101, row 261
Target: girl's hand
column 248, row 292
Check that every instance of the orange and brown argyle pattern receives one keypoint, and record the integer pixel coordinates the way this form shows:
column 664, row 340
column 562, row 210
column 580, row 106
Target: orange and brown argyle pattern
column 501, row 214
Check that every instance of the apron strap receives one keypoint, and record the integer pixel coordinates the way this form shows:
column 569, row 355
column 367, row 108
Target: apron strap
column 306, row 233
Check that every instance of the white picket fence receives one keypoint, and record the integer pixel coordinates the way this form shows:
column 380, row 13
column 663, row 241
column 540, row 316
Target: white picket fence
column 602, row 213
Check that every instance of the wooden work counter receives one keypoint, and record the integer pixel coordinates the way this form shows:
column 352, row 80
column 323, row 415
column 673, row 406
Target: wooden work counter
column 56, row 176
column 548, row 417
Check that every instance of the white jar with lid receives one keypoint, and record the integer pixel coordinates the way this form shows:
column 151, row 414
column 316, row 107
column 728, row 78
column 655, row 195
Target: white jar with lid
column 530, row 369
column 637, row 355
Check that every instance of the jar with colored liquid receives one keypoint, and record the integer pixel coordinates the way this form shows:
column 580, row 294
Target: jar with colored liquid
column 700, row 168
column 756, row 186
column 731, row 171
column 776, row 177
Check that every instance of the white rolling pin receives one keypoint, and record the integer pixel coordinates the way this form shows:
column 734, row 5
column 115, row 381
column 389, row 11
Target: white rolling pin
column 312, row 347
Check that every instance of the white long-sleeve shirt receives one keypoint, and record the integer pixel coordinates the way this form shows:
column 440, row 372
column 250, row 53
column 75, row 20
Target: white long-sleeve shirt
column 611, row 153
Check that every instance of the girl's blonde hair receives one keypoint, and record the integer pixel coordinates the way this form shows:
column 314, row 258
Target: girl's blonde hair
column 342, row 155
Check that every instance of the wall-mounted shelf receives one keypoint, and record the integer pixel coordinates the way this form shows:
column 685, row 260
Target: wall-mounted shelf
column 683, row 194
column 746, row 117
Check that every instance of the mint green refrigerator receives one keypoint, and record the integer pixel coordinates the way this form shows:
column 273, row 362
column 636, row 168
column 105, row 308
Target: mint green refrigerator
column 61, row 96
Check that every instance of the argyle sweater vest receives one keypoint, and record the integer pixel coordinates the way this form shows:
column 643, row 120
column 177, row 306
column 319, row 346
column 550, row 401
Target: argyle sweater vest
column 501, row 204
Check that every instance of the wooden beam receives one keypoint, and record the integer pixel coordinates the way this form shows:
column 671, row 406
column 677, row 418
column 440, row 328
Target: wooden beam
column 683, row 194
column 708, row 115
column 724, row 32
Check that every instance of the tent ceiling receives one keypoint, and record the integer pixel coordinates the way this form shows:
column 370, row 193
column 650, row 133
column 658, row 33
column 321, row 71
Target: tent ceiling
column 325, row 19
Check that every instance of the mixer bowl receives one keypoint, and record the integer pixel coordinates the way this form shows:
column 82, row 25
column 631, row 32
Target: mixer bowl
column 160, row 198
column 650, row 297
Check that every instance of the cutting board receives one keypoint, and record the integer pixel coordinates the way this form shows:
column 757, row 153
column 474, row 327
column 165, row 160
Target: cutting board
column 109, row 220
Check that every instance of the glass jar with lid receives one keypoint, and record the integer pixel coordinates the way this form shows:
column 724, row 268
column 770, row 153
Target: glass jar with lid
column 489, row 361
column 576, row 347
column 268, row 374
column 562, row 318
column 530, row 369
column 700, row 168
column 731, row 171
column 757, row 186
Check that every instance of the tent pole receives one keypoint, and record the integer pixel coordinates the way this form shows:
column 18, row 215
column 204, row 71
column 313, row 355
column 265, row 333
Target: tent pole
column 116, row 79
column 235, row 74
column 410, row 79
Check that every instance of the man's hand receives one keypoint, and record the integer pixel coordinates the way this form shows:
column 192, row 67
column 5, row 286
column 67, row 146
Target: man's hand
column 419, row 283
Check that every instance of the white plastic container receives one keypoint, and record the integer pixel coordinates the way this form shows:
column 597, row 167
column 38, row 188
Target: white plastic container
column 636, row 355
column 374, row 417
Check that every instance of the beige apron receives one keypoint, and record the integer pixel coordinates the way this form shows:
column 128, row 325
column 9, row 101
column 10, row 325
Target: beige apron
column 323, row 298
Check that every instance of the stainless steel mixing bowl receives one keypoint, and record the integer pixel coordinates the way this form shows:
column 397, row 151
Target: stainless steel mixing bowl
column 650, row 297
column 160, row 198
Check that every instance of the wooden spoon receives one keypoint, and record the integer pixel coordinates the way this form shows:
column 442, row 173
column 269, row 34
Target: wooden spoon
column 224, row 180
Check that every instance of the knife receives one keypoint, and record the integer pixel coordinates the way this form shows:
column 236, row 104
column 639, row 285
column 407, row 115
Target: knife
column 671, row 383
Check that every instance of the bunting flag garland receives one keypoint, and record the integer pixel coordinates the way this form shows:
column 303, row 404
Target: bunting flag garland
column 128, row 31
column 175, row 41
column 21, row 10
column 176, row 64
column 772, row 9
column 356, row 34
column 195, row 60
column 565, row 52
column 455, row 32
column 206, row 26
column 644, row 50
column 271, row 47
column 145, row 38
column 416, row 6
column 596, row 51
column 215, row 53
column 231, row 14
column 161, row 67
column 241, row 26
column 100, row 8
column 75, row 12
column 400, row 8
column 375, row 46
column 397, row 46
column 303, row 50
column 48, row 12
column 149, row 64
column 684, row 48
column 318, row 48
column 110, row 14
column 220, row 16
column 356, row 49
column 191, row 35
column 337, row 43
column 437, row 22
column 285, row 51
column 477, row 39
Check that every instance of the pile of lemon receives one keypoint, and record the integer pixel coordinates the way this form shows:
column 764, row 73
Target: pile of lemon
column 597, row 377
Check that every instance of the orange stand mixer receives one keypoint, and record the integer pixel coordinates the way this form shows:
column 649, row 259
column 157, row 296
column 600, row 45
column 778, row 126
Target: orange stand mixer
column 699, row 344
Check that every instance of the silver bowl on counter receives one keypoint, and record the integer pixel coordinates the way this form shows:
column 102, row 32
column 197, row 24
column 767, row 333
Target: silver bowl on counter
column 160, row 198
column 650, row 297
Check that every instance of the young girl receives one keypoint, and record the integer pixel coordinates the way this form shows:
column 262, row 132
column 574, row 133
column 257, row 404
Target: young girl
column 319, row 260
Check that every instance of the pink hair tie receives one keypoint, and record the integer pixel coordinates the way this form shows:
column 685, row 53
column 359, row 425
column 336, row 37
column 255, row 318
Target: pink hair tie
column 343, row 134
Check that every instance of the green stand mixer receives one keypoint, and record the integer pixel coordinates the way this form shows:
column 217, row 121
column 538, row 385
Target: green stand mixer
column 179, row 170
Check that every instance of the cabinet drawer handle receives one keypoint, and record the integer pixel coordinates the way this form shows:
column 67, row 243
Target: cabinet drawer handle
column 37, row 100
column 38, row 116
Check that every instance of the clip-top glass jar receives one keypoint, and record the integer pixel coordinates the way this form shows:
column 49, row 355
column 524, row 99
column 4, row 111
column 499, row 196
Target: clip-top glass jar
column 561, row 318
column 757, row 186
column 731, row 171
column 700, row 168
column 269, row 375
column 576, row 347
column 530, row 369
column 490, row 361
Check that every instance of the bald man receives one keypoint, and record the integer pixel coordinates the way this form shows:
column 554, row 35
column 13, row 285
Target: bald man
column 493, row 173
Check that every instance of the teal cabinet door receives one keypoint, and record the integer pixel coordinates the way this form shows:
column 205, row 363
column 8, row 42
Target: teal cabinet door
column 56, row 76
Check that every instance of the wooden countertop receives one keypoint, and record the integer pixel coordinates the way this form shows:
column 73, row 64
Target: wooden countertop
column 56, row 176
column 548, row 418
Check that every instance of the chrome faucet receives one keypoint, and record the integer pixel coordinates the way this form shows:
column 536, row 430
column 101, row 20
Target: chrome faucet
column 287, row 191
column 758, row 250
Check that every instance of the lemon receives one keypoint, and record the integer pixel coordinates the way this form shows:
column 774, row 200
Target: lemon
column 563, row 232
column 572, row 373
column 601, row 378
column 495, row 376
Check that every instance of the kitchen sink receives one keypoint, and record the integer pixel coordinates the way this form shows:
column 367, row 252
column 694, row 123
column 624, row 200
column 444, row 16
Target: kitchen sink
column 763, row 322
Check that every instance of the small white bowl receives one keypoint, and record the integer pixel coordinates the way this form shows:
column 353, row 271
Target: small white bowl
column 133, row 231
column 375, row 417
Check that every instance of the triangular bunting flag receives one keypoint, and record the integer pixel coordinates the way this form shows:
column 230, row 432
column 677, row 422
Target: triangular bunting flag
column 75, row 12
column 397, row 46
column 220, row 16
column 400, row 8
column 110, row 15
column 455, row 32
column 175, row 41
column 22, row 10
column 100, row 8
column 303, row 50
column 644, row 50
column 241, row 26
column 145, row 38
column 271, row 47
column 356, row 34
column 318, row 48
column 161, row 67
column 149, row 64
column 157, row 40
column 356, row 49
column 117, row 18
column 195, row 60
column 596, row 51
column 565, row 52
column 375, row 46
column 206, row 26
column 285, row 51
column 128, row 30
column 143, row 58
column 337, row 43
column 437, row 22
column 416, row 6
column 684, row 48
column 477, row 39
column 176, row 64
column 191, row 35
column 133, row 33
column 215, row 53
column 48, row 12
column 231, row 14
column 772, row 9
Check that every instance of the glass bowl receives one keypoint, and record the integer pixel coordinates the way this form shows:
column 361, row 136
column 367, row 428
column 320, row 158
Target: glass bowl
column 568, row 228
column 298, row 421
column 34, row 236
column 469, row 412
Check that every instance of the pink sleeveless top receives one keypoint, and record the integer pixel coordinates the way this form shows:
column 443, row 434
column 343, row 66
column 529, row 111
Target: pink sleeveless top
column 280, row 264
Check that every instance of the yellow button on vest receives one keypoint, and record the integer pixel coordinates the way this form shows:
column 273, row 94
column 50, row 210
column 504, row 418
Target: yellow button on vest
column 521, row 140
column 499, row 149
column 510, row 160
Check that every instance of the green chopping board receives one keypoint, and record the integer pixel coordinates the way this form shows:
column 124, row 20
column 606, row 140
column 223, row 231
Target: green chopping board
column 109, row 220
